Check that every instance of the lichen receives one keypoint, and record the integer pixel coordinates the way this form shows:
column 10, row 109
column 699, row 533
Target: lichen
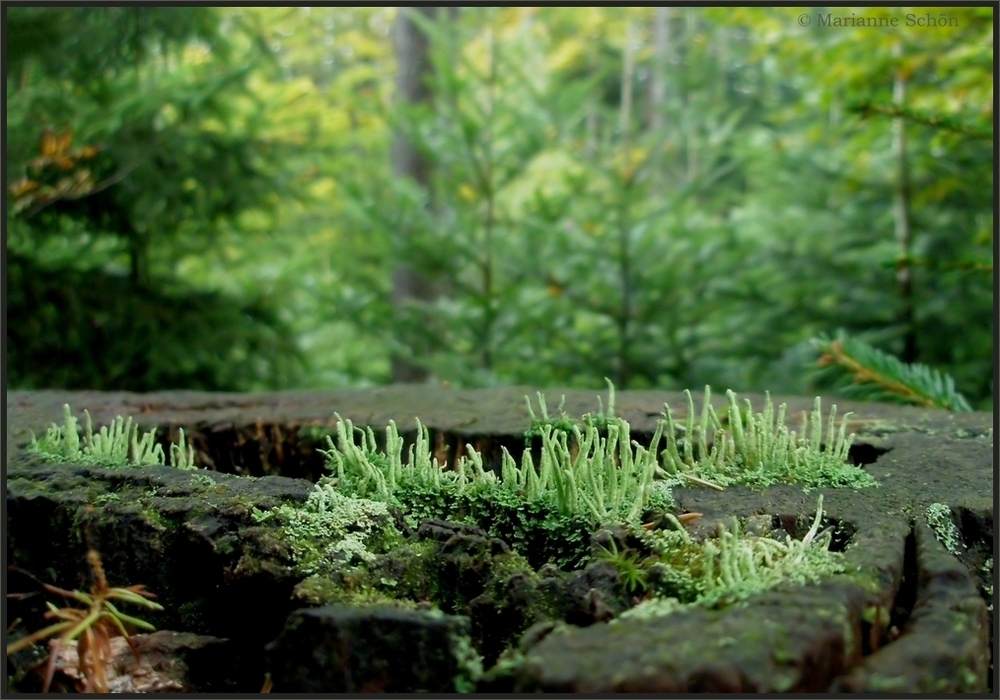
column 731, row 567
column 757, row 449
column 331, row 529
column 940, row 521
column 604, row 478
column 117, row 445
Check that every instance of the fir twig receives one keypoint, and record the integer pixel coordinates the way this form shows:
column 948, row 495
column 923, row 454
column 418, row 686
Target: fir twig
column 875, row 375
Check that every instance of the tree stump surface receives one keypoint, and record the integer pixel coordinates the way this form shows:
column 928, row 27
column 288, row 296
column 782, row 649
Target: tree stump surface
column 920, row 623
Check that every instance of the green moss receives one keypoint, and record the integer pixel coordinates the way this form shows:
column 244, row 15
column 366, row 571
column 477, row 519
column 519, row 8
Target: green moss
column 470, row 663
column 156, row 519
column 323, row 590
column 880, row 683
column 190, row 616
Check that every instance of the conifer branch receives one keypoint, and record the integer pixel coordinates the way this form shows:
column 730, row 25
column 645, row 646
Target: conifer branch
column 937, row 121
column 875, row 375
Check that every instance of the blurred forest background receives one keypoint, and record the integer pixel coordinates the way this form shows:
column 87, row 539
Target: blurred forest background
column 269, row 198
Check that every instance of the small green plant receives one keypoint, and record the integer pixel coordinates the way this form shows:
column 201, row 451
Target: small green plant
column 602, row 419
column 182, row 455
column 871, row 375
column 631, row 568
column 94, row 626
column 365, row 470
column 562, row 422
column 117, row 445
column 609, row 478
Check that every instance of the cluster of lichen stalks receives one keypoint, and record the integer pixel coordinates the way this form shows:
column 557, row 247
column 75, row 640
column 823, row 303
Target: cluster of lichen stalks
column 117, row 445
column 598, row 471
column 595, row 471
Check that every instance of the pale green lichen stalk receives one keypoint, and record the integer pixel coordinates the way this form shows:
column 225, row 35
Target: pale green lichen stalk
column 988, row 587
column 117, row 445
column 597, row 471
column 182, row 455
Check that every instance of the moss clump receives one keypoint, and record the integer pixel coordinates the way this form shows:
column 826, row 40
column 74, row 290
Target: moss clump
column 324, row 590
column 605, row 479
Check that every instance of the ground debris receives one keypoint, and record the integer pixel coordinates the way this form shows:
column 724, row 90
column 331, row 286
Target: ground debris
column 161, row 668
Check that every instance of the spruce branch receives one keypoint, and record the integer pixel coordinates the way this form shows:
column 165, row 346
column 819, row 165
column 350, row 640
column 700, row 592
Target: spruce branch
column 875, row 375
column 937, row 121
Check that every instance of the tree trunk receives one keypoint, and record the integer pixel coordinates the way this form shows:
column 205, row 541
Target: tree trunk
column 901, row 213
column 624, row 218
column 658, row 91
column 690, row 25
column 414, row 68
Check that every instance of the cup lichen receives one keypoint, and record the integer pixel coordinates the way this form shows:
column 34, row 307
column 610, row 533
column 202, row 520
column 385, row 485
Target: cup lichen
column 116, row 445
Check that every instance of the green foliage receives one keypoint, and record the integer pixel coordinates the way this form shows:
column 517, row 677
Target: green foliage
column 117, row 445
column 96, row 331
column 165, row 165
column 870, row 374
column 938, row 121
column 600, row 204
column 757, row 449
